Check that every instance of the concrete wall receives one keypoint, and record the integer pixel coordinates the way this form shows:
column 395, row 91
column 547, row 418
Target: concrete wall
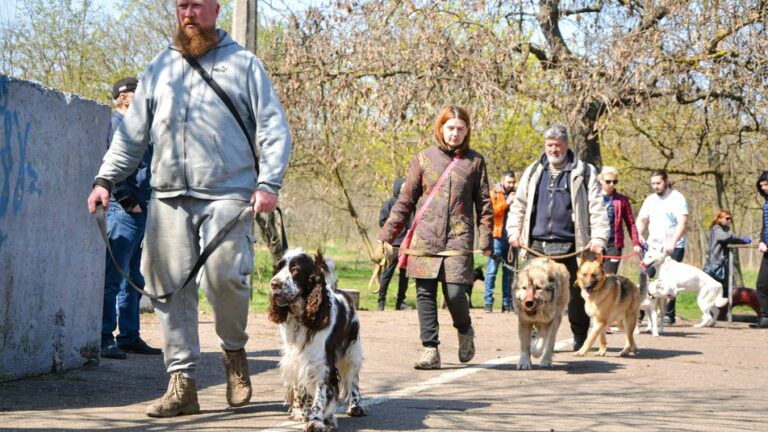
column 51, row 255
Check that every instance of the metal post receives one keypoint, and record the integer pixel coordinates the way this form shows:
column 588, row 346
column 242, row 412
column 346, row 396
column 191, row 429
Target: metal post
column 730, row 284
column 245, row 23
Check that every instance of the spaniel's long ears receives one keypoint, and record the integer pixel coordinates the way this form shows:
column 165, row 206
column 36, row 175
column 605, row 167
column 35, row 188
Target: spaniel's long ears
column 317, row 312
column 277, row 314
column 320, row 260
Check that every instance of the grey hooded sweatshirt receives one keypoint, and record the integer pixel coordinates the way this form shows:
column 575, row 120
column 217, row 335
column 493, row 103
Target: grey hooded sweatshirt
column 199, row 149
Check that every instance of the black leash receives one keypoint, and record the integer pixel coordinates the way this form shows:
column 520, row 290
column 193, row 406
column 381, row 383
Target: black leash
column 207, row 251
column 228, row 102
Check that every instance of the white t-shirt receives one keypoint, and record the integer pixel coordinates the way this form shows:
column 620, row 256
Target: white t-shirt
column 663, row 215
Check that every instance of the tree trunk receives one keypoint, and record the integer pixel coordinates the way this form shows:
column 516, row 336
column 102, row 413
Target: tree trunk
column 586, row 137
column 361, row 229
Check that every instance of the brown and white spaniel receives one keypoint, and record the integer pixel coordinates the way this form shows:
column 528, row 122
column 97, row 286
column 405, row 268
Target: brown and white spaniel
column 322, row 355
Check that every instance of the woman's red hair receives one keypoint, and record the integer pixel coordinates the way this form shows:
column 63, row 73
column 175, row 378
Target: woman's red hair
column 451, row 112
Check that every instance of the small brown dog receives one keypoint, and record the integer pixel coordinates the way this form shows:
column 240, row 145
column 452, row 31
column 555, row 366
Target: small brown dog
column 541, row 294
column 607, row 298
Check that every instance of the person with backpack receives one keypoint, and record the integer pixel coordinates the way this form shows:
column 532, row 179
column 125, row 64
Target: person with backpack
column 558, row 210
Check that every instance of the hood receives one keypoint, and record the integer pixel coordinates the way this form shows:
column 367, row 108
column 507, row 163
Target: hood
column 396, row 186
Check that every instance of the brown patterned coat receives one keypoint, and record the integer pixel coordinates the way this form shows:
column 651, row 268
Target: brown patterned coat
column 448, row 222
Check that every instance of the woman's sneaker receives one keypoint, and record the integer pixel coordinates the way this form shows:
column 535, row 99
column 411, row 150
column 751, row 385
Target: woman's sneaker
column 430, row 359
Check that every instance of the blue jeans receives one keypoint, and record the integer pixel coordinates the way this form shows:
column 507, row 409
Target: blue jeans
column 121, row 302
column 500, row 248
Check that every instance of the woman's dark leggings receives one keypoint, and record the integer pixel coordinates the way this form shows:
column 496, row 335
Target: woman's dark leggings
column 426, row 303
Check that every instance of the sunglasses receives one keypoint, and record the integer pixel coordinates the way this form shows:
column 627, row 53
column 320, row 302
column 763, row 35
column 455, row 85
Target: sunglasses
column 728, row 218
column 612, row 182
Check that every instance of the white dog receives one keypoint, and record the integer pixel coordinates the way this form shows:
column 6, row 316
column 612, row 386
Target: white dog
column 689, row 278
column 654, row 304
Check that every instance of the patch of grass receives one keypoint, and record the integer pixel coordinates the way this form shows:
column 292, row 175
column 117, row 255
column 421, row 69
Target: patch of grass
column 355, row 271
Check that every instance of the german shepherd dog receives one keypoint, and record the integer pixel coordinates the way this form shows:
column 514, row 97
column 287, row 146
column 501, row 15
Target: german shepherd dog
column 541, row 294
column 607, row 298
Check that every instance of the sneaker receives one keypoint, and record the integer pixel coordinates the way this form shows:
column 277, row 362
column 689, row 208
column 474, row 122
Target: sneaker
column 763, row 323
column 238, row 377
column 380, row 306
column 179, row 399
column 430, row 359
column 113, row 352
column 467, row 345
column 506, row 308
column 577, row 344
column 402, row 306
column 668, row 319
column 489, row 308
column 139, row 347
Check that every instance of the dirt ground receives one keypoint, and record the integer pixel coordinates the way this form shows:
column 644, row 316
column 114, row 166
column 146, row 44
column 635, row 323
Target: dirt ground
column 688, row 379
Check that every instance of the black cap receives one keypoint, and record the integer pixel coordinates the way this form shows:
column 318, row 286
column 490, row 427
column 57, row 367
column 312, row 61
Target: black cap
column 127, row 84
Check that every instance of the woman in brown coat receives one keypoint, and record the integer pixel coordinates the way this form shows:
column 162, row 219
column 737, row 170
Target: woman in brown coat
column 447, row 224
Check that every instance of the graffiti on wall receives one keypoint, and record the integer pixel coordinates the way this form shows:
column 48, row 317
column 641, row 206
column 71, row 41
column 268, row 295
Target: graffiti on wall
column 18, row 177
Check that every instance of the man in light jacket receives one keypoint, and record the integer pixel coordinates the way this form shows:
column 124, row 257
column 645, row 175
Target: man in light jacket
column 204, row 175
column 557, row 210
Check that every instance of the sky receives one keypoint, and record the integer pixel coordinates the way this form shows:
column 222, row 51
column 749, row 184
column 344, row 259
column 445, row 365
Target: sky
column 7, row 7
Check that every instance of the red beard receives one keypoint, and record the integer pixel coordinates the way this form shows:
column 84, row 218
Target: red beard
column 194, row 41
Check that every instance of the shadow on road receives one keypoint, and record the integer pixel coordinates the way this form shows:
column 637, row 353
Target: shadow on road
column 116, row 383
column 409, row 414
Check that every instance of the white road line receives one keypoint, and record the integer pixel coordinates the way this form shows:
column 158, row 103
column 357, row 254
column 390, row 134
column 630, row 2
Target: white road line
column 434, row 382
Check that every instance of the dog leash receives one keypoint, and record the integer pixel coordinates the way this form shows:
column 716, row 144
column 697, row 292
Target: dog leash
column 620, row 257
column 206, row 252
column 553, row 257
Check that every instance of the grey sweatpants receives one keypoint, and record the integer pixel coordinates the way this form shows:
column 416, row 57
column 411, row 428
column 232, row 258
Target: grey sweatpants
column 178, row 229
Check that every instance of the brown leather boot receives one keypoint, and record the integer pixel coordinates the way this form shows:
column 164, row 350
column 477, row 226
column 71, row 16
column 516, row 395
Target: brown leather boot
column 238, row 378
column 180, row 399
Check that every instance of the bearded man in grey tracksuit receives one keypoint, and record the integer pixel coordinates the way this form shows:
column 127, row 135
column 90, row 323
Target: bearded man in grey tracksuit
column 203, row 176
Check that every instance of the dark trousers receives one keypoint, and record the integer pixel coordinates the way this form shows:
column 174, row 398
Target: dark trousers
column 386, row 276
column 577, row 315
column 762, row 286
column 611, row 265
column 426, row 303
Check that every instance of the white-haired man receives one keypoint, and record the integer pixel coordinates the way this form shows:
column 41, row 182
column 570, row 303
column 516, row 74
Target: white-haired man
column 203, row 177
column 557, row 210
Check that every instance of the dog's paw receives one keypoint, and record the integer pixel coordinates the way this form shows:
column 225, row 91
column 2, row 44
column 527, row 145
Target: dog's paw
column 581, row 353
column 357, row 411
column 545, row 364
column 524, row 365
column 601, row 352
column 315, row 426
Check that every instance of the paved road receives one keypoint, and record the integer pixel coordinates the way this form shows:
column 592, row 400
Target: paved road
column 689, row 379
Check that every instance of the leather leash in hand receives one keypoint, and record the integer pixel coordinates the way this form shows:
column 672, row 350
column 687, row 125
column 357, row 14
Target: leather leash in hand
column 206, row 252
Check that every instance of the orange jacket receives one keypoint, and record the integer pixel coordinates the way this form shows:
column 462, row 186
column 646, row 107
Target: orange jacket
column 500, row 206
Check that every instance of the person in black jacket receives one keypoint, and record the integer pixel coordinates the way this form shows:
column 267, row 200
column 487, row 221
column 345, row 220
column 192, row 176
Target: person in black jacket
column 387, row 274
column 126, row 221
column 762, row 275
column 720, row 236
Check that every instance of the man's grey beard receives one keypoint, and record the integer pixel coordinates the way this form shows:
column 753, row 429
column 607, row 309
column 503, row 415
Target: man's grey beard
column 197, row 43
column 557, row 160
